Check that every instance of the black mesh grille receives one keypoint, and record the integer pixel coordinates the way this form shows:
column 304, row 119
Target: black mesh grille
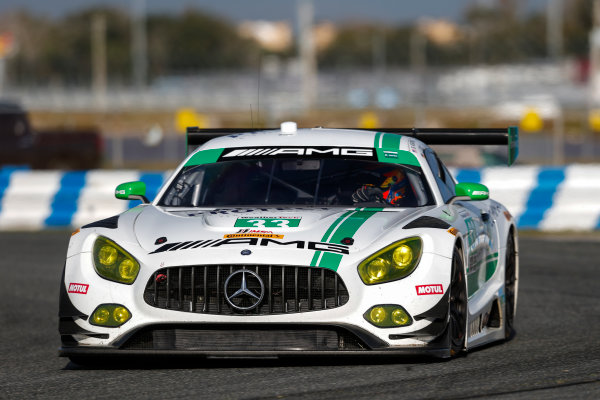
column 272, row 338
column 287, row 289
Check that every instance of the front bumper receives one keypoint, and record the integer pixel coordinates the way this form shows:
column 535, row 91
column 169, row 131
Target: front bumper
column 252, row 340
column 240, row 339
column 426, row 336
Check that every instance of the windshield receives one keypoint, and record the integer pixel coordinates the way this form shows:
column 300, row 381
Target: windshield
column 298, row 182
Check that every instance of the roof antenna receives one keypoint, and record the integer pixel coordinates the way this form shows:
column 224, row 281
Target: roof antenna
column 257, row 95
column 258, row 88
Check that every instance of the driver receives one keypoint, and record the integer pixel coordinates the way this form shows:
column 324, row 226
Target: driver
column 393, row 190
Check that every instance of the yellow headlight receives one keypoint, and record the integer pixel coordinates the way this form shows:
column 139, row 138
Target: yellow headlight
column 393, row 262
column 107, row 255
column 378, row 269
column 127, row 269
column 101, row 316
column 402, row 256
column 378, row 315
column 112, row 262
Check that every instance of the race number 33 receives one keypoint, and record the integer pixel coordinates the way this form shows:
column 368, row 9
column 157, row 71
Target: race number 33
column 267, row 222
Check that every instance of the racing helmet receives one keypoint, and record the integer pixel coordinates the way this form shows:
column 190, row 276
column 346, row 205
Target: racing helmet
column 394, row 186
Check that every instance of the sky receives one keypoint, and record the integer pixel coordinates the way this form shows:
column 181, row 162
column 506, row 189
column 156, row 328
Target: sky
column 389, row 11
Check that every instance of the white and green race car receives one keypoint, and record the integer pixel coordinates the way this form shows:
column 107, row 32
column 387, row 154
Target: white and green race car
column 294, row 241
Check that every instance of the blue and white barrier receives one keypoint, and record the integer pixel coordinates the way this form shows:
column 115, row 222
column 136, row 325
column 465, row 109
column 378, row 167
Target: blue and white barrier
column 48, row 199
column 544, row 198
column 540, row 198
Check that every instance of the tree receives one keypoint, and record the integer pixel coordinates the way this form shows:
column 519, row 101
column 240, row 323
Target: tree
column 59, row 51
column 196, row 41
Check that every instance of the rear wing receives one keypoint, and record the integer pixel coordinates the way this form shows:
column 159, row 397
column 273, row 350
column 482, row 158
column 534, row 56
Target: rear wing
column 447, row 136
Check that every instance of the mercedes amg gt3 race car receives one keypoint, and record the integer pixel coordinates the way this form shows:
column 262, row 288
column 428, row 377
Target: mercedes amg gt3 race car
column 298, row 242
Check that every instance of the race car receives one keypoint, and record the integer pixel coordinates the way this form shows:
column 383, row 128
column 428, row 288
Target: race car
column 295, row 242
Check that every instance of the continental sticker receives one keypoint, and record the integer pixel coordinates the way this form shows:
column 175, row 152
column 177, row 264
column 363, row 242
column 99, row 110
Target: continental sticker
column 253, row 235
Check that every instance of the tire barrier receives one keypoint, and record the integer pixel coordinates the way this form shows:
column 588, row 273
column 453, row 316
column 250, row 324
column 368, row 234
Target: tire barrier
column 540, row 198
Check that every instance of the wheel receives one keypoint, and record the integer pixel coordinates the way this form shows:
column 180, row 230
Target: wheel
column 457, row 323
column 510, row 287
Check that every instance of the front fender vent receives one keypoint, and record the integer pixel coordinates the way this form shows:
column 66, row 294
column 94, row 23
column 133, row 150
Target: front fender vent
column 427, row 222
column 110, row 223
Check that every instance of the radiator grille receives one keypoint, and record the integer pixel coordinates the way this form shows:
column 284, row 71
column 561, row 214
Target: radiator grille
column 238, row 338
column 287, row 289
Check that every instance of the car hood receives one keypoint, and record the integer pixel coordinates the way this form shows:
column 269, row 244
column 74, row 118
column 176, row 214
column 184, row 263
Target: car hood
column 158, row 228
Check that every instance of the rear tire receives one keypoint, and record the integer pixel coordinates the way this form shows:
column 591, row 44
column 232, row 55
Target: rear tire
column 510, row 287
column 457, row 323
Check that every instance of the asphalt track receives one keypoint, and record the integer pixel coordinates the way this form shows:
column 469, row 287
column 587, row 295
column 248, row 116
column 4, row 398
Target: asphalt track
column 554, row 355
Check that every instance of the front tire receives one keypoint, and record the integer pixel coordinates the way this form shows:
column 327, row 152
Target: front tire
column 457, row 324
column 510, row 287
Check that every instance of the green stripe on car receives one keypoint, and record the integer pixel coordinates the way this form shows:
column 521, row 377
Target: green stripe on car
column 204, row 157
column 327, row 234
column 490, row 265
column 376, row 143
column 391, row 141
column 345, row 226
column 387, row 147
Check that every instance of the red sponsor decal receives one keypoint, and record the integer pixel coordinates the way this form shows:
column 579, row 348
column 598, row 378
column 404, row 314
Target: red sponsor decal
column 80, row 288
column 253, row 231
column 429, row 289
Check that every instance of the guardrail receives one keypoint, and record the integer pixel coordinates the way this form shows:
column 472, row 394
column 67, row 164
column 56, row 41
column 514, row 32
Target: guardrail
column 540, row 198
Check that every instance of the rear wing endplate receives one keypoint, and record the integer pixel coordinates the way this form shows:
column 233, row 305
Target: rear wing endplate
column 431, row 136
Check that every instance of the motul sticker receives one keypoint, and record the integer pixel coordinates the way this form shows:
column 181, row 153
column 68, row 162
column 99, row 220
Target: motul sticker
column 80, row 288
column 429, row 289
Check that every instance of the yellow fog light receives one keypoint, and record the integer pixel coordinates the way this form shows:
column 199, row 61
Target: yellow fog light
column 402, row 256
column 121, row 315
column 112, row 262
column 110, row 315
column 396, row 261
column 100, row 316
column 400, row 317
column 378, row 269
column 107, row 255
column 388, row 316
column 377, row 315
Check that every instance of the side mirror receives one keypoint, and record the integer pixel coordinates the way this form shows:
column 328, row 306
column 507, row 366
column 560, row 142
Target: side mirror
column 475, row 191
column 132, row 191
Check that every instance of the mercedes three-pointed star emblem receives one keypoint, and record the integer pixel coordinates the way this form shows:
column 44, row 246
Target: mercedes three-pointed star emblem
column 244, row 298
